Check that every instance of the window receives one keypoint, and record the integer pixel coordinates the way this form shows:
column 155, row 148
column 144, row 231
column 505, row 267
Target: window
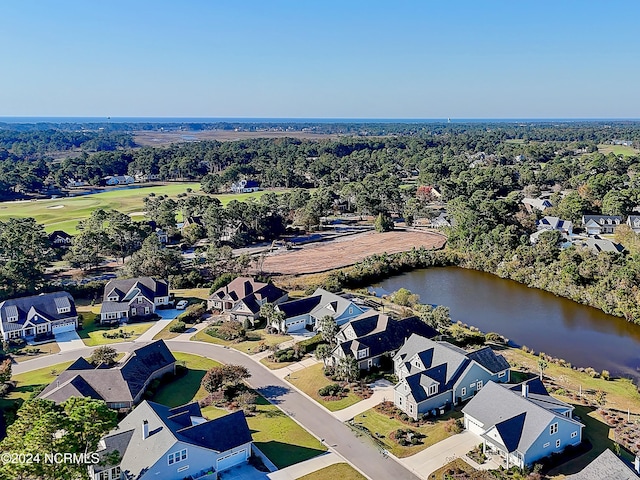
column 112, row 315
column 473, row 385
column 546, row 445
column 411, row 408
column 433, row 389
column 176, row 457
column 146, row 310
column 502, row 374
column 463, row 392
column 480, row 384
column 112, row 299
column 139, row 300
column 350, row 310
column 182, row 469
column 574, row 434
column 64, row 310
column 363, row 353
column 553, row 429
column 13, row 319
column 558, row 443
column 399, row 400
column 134, row 312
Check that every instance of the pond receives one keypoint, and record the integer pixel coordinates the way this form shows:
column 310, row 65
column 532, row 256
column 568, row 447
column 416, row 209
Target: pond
column 560, row 327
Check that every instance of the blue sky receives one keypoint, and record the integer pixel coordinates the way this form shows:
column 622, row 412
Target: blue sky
column 321, row 59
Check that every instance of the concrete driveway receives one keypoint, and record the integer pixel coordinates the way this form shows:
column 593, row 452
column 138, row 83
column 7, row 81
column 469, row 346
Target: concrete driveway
column 69, row 341
column 430, row 459
column 242, row 472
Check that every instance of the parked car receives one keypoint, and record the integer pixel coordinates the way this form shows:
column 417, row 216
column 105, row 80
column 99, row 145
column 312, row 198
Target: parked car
column 182, row 304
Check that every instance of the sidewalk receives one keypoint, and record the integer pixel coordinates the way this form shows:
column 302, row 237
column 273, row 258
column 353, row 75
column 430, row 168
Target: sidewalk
column 303, row 468
column 382, row 391
column 153, row 331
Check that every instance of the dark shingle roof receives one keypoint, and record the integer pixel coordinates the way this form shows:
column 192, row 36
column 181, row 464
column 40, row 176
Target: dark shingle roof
column 150, row 287
column 606, row 466
column 37, row 308
column 489, row 360
column 302, row 306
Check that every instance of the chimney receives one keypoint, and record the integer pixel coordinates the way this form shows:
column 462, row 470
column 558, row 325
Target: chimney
column 525, row 390
column 636, row 464
column 145, row 429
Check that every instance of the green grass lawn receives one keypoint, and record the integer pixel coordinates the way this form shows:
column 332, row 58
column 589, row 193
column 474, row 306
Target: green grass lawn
column 618, row 150
column 65, row 213
column 457, row 464
column 187, row 388
column 343, row 471
column 248, row 346
column 271, row 365
column 94, row 338
column 165, row 334
column 312, row 379
column 379, row 423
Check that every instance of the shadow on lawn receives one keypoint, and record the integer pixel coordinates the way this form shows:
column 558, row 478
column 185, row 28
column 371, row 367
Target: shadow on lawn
column 273, row 393
column 181, row 390
column 285, row 454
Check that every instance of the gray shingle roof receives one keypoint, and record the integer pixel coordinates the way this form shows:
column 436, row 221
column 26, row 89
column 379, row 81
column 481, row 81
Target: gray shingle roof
column 330, row 304
column 489, row 360
column 606, row 466
column 149, row 286
column 44, row 306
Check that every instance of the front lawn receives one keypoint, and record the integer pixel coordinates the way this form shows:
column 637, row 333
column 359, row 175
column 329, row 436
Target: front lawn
column 166, row 334
column 185, row 388
column 312, row 379
column 123, row 334
column 343, row 471
column 381, row 426
column 254, row 339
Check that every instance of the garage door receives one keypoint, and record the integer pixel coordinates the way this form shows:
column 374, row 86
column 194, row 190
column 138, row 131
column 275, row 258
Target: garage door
column 473, row 426
column 65, row 327
column 298, row 325
column 231, row 460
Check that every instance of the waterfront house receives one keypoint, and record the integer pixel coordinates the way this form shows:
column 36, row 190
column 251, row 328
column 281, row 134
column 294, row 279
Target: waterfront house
column 132, row 298
column 120, row 386
column 29, row 317
column 373, row 337
column 119, row 180
column 162, row 443
column 607, row 465
column 520, row 424
column 599, row 224
column 434, row 375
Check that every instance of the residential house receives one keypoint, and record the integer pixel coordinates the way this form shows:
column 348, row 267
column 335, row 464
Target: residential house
column 245, row 186
column 599, row 224
column 434, row 375
column 163, row 443
column 47, row 313
column 539, row 204
column 193, row 220
column 121, row 386
column 132, row 297
column 163, row 237
column 73, row 183
column 60, row 239
column 634, row 222
column 243, row 297
column 119, row 180
column 306, row 312
column 373, row 336
column 607, row 465
column 440, row 221
column 521, row 423
column 597, row 244
column 555, row 223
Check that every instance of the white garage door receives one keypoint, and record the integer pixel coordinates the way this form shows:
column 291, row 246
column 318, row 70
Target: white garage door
column 65, row 327
column 231, row 460
column 473, row 426
column 298, row 325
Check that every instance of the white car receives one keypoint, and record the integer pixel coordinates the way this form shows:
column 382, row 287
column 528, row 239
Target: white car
column 182, row 304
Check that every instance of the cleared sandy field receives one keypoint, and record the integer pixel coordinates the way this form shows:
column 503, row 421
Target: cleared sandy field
column 345, row 251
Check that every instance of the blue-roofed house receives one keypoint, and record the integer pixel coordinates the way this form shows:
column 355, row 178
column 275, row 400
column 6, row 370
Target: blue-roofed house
column 27, row 317
column 162, row 443
column 520, row 424
column 306, row 312
column 555, row 223
column 433, row 375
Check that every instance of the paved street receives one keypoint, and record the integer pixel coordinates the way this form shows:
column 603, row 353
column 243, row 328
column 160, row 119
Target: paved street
column 317, row 420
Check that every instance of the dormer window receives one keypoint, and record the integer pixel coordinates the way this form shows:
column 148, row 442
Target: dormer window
column 433, row 389
column 64, row 309
column 13, row 319
column 112, row 299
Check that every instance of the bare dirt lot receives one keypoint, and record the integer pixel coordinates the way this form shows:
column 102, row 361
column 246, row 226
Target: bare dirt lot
column 157, row 139
column 345, row 251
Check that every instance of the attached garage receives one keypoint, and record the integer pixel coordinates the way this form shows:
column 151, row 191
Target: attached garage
column 64, row 327
column 296, row 325
column 232, row 459
column 473, row 425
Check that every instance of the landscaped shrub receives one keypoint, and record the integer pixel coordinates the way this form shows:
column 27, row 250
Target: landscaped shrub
column 310, row 344
column 194, row 313
column 453, row 425
column 228, row 331
column 332, row 390
column 178, row 327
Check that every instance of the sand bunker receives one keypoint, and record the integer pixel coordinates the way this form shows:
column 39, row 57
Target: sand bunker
column 52, row 207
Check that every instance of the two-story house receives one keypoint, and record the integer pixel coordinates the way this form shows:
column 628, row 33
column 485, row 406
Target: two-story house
column 433, row 375
column 132, row 298
column 243, row 297
column 120, row 386
column 599, row 224
column 306, row 312
column 521, row 424
column 162, row 443
column 373, row 336
column 28, row 317
column 555, row 223
column 634, row 222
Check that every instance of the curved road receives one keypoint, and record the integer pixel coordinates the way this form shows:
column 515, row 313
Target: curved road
column 321, row 423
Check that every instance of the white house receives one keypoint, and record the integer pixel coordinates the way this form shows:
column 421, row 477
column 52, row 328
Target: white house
column 245, row 186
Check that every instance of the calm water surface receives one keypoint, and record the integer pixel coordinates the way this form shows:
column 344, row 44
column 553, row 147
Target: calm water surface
column 559, row 327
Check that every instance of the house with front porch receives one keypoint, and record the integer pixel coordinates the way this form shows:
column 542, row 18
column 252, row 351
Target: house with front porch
column 124, row 299
column 599, row 224
column 163, row 443
column 120, row 386
column 305, row 313
column 434, row 375
column 373, row 337
column 28, row 317
column 520, row 424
